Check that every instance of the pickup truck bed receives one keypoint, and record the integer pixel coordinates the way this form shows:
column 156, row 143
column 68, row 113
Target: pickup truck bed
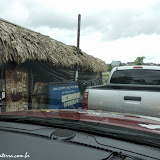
column 134, row 99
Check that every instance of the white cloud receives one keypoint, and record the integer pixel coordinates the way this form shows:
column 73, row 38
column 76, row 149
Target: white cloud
column 125, row 49
column 110, row 29
column 68, row 36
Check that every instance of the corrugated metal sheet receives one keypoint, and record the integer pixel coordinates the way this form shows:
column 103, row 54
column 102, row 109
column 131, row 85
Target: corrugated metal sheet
column 16, row 89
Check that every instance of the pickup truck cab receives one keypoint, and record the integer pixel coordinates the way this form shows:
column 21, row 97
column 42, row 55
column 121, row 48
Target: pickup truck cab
column 129, row 89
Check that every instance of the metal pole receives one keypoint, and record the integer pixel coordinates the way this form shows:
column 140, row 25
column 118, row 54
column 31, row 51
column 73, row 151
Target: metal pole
column 78, row 41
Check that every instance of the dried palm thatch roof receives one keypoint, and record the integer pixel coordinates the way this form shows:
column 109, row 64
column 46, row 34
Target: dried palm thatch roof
column 19, row 44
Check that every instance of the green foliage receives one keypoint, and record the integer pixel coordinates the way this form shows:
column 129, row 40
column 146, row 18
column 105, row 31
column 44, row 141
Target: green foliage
column 139, row 60
column 122, row 64
column 110, row 67
column 105, row 77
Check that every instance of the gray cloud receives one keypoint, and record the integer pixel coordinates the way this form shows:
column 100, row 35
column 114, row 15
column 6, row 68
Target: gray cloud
column 126, row 23
column 51, row 19
column 110, row 23
column 38, row 15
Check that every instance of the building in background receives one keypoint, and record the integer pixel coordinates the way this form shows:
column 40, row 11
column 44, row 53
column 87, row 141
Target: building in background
column 150, row 64
column 130, row 63
column 115, row 63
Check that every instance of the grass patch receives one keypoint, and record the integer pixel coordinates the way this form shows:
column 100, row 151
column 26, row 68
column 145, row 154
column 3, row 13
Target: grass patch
column 105, row 76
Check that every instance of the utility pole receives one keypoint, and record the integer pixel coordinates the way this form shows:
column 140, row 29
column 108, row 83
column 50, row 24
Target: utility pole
column 78, row 41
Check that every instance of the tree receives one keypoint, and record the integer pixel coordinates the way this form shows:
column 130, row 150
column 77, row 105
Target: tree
column 110, row 67
column 122, row 64
column 139, row 60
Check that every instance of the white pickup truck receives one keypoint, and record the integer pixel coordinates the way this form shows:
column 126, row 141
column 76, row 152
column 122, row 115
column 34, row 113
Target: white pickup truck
column 129, row 89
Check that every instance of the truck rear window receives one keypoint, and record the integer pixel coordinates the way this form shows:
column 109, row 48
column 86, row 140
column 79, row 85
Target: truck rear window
column 136, row 76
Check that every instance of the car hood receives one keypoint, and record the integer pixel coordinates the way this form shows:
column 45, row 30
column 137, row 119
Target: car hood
column 138, row 122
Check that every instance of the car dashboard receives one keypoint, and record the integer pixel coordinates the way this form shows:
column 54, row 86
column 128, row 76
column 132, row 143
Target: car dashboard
column 40, row 142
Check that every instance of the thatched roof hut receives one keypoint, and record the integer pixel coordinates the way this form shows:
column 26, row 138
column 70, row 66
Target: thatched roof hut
column 19, row 44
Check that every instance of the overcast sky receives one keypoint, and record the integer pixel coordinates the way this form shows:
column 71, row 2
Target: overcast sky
column 110, row 29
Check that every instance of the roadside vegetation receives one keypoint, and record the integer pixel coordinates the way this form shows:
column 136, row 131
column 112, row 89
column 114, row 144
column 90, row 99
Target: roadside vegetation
column 105, row 76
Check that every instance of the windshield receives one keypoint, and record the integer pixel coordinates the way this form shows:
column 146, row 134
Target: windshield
column 136, row 76
column 56, row 58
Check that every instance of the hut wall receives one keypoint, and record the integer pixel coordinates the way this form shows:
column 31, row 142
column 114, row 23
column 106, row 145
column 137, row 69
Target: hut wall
column 2, row 91
column 16, row 89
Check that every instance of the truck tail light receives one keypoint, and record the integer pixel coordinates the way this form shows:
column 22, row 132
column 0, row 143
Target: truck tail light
column 85, row 100
column 138, row 67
